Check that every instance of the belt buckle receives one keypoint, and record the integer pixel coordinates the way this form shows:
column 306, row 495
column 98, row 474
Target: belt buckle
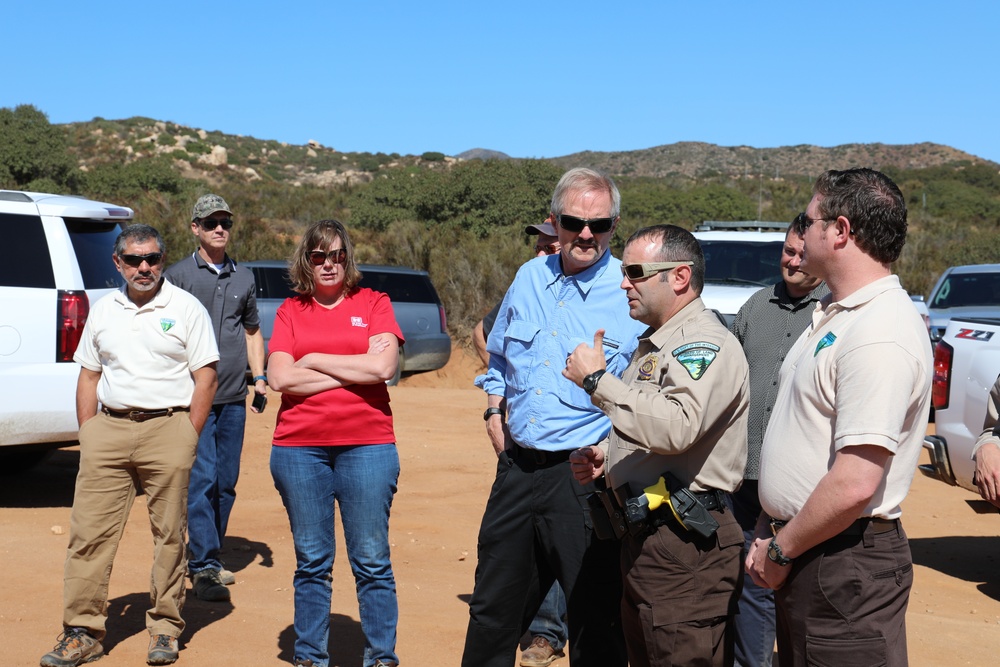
column 137, row 416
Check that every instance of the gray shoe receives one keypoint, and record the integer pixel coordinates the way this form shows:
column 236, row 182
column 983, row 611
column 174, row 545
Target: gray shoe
column 208, row 586
column 163, row 650
column 226, row 577
column 76, row 646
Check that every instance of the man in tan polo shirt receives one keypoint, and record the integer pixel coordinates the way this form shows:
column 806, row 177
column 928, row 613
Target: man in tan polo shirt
column 680, row 408
column 842, row 445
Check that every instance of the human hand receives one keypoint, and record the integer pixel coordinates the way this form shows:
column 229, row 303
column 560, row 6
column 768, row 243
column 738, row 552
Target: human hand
column 587, row 463
column 585, row 360
column 988, row 472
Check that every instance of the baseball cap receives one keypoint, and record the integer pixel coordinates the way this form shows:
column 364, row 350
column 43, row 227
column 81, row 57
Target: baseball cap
column 544, row 227
column 209, row 204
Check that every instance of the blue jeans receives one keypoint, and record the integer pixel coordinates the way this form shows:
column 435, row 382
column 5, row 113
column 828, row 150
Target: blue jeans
column 550, row 621
column 362, row 480
column 755, row 622
column 212, row 490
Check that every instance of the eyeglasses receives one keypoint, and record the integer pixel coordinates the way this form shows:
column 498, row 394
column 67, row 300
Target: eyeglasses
column 211, row 223
column 642, row 271
column 550, row 249
column 802, row 221
column 135, row 261
column 318, row 257
column 574, row 224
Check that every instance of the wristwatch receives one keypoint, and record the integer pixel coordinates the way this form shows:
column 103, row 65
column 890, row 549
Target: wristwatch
column 774, row 553
column 590, row 382
column 490, row 412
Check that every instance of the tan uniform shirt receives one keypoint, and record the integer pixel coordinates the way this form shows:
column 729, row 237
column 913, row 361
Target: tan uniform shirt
column 860, row 374
column 681, row 405
column 990, row 421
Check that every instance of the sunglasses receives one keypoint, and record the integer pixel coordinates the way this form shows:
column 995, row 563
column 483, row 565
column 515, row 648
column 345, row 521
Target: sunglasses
column 597, row 225
column 211, row 223
column 549, row 249
column 642, row 271
column 135, row 261
column 318, row 257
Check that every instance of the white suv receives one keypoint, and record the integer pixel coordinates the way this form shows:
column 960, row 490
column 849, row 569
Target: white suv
column 55, row 260
column 740, row 258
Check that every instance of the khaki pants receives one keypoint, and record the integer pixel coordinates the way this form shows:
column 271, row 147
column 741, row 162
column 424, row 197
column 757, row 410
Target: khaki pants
column 116, row 457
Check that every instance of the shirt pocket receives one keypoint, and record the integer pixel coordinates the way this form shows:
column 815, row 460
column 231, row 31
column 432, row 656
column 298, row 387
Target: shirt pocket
column 575, row 396
column 517, row 341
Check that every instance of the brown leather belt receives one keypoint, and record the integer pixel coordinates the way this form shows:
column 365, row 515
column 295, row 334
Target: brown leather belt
column 142, row 415
column 857, row 528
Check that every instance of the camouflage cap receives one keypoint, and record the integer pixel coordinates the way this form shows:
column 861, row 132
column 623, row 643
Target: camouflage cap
column 209, row 204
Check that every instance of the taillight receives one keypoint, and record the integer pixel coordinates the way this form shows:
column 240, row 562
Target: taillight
column 72, row 315
column 444, row 320
column 941, row 384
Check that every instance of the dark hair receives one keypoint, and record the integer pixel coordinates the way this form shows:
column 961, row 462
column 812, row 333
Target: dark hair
column 139, row 233
column 676, row 245
column 874, row 206
column 321, row 235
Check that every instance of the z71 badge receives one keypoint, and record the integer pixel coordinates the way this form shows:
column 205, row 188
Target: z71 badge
column 973, row 334
column 696, row 357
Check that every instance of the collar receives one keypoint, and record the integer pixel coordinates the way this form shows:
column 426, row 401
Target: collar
column 780, row 295
column 660, row 337
column 227, row 262
column 586, row 279
column 159, row 300
column 861, row 296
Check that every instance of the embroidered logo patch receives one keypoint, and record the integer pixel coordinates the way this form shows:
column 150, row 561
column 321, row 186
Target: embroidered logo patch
column 647, row 367
column 357, row 322
column 167, row 324
column 824, row 342
column 696, row 357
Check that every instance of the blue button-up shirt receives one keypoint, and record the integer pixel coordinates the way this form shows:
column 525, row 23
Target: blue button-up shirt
column 543, row 317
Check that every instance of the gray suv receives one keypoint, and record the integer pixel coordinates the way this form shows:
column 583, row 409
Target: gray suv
column 415, row 303
column 55, row 261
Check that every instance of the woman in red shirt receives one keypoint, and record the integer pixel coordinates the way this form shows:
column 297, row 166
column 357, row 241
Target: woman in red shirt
column 332, row 349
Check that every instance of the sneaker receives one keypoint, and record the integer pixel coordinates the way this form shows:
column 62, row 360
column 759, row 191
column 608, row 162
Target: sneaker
column 386, row 663
column 226, row 577
column 208, row 586
column 540, row 653
column 162, row 650
column 302, row 662
column 76, row 646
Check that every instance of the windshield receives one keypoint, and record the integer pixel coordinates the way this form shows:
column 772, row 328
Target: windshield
column 968, row 289
column 740, row 262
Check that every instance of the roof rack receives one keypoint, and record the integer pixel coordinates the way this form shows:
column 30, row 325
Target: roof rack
column 742, row 226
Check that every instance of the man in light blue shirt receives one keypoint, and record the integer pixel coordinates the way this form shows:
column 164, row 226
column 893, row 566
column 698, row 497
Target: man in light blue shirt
column 536, row 528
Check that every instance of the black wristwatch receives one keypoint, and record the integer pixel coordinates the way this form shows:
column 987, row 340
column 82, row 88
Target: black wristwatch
column 590, row 382
column 490, row 412
column 774, row 553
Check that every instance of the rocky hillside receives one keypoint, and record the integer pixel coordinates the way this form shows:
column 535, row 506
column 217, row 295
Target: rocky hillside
column 214, row 156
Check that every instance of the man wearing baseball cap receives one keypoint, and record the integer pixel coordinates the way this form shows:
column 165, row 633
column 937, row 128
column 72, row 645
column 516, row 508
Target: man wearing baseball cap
column 228, row 292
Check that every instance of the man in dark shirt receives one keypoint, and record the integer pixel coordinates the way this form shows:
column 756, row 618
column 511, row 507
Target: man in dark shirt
column 228, row 293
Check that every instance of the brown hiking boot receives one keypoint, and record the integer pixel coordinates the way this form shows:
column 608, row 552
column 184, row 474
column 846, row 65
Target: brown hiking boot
column 76, row 646
column 163, row 650
column 540, row 653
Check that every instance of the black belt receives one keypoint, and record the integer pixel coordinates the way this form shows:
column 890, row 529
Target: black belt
column 142, row 415
column 538, row 456
column 711, row 500
column 856, row 529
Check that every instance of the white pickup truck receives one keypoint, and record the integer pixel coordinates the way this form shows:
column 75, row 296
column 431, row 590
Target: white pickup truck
column 966, row 365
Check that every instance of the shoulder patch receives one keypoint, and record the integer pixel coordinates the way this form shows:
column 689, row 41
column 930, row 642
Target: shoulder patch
column 696, row 357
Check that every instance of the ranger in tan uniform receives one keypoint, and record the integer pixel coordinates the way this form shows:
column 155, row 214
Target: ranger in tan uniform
column 679, row 417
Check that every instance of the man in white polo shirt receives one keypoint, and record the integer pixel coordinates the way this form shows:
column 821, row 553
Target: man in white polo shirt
column 842, row 445
column 148, row 357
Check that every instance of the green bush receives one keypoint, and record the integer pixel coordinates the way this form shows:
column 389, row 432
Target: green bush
column 432, row 156
column 31, row 149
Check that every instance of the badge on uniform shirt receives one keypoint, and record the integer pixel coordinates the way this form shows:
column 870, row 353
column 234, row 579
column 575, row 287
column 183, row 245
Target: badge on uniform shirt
column 824, row 342
column 696, row 357
column 647, row 367
column 167, row 324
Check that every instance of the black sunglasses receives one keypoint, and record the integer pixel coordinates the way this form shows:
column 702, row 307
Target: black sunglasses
column 642, row 271
column 136, row 261
column 211, row 223
column 318, row 257
column 574, row 224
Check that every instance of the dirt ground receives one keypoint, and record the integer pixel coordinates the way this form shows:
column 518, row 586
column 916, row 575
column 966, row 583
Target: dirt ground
column 447, row 468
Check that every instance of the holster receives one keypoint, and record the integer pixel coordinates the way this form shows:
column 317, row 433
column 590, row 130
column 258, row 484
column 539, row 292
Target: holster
column 606, row 514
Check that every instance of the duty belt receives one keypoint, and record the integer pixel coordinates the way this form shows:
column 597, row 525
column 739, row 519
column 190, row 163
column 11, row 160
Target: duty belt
column 856, row 529
column 142, row 415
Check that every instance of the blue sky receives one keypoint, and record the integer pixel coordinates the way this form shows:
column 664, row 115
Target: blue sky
column 531, row 79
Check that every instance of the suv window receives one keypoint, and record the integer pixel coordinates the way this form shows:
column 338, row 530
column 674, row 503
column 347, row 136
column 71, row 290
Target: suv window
column 25, row 269
column 742, row 262
column 93, row 241
column 401, row 288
